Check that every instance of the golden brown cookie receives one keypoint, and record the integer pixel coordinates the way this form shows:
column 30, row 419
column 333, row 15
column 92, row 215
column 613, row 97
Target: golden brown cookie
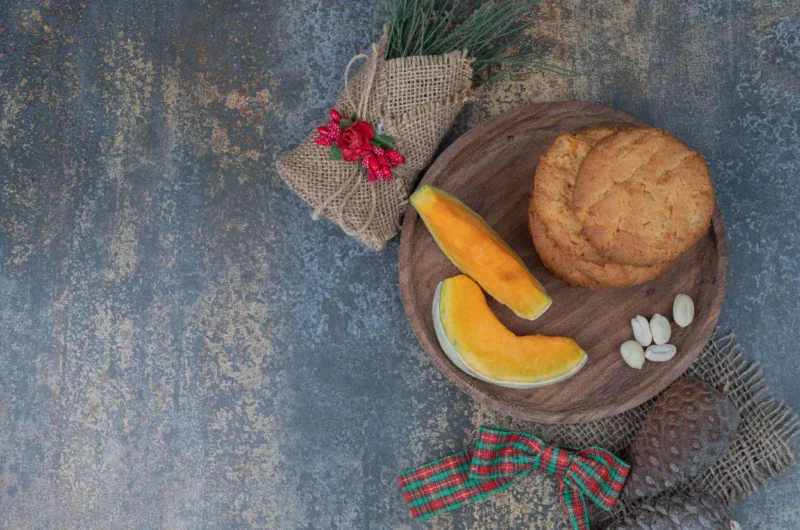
column 556, row 230
column 584, row 273
column 643, row 197
column 552, row 191
column 553, row 257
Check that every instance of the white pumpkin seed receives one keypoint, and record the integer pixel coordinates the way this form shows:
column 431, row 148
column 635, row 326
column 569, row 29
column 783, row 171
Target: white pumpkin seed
column 660, row 329
column 632, row 354
column 683, row 310
column 660, row 352
column 641, row 330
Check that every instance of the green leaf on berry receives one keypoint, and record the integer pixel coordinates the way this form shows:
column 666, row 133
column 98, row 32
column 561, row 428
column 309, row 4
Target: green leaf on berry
column 363, row 169
column 345, row 123
column 381, row 140
column 336, row 153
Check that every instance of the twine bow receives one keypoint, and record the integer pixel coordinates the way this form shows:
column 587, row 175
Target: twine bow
column 500, row 459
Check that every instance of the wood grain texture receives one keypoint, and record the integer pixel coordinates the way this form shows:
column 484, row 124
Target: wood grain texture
column 491, row 169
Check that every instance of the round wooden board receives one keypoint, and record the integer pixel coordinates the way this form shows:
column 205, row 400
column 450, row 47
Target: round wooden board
column 491, row 169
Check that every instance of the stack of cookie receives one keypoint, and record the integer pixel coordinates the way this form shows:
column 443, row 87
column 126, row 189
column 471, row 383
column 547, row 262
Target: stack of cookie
column 615, row 207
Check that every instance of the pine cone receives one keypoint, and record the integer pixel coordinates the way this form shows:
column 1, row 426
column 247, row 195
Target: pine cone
column 690, row 427
column 680, row 511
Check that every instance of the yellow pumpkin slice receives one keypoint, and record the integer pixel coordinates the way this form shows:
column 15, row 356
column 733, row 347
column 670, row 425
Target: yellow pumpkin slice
column 480, row 345
column 479, row 252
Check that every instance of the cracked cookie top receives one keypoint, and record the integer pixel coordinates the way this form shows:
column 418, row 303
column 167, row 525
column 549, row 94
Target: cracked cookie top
column 643, row 197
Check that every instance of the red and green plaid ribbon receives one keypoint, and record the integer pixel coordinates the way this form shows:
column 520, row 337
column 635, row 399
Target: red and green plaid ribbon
column 500, row 459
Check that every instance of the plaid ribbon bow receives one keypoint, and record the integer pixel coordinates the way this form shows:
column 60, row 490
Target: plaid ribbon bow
column 500, row 459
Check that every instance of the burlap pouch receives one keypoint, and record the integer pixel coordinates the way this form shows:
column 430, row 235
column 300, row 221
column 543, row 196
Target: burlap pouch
column 413, row 99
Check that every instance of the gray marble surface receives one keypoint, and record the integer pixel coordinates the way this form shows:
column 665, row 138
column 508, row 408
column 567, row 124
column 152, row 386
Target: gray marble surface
column 181, row 346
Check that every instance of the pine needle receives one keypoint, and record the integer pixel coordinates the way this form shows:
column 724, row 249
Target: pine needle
column 493, row 33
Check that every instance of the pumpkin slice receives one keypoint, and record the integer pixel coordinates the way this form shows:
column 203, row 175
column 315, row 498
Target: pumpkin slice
column 480, row 345
column 479, row 252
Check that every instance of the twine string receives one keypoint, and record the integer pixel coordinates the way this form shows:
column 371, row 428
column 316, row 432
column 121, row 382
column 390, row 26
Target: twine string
column 356, row 182
column 372, row 210
column 353, row 183
column 350, row 64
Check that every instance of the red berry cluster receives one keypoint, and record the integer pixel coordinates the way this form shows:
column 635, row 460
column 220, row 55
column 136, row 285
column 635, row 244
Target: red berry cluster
column 360, row 144
column 330, row 132
column 379, row 163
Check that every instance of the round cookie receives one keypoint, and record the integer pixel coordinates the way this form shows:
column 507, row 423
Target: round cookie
column 556, row 230
column 582, row 273
column 553, row 257
column 552, row 191
column 643, row 197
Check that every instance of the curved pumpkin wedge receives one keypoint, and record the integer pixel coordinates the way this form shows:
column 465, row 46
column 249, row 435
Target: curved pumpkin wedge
column 480, row 345
column 479, row 252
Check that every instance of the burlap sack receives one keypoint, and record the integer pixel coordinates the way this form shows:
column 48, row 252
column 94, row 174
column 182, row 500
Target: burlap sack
column 759, row 453
column 415, row 100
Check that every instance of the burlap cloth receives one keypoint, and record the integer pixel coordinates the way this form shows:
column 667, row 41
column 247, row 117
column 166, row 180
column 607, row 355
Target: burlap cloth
column 760, row 452
column 415, row 100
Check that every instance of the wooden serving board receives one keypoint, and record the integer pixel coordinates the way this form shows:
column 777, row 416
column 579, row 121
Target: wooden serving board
column 491, row 169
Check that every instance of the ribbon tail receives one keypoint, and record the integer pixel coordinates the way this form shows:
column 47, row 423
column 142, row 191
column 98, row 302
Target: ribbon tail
column 447, row 484
column 574, row 507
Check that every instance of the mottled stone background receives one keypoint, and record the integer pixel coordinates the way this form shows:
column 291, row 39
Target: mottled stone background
column 181, row 346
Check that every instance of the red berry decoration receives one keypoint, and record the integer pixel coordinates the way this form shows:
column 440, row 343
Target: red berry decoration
column 395, row 158
column 354, row 140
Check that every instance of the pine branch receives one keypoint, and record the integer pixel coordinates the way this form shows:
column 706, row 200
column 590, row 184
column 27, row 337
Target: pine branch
column 493, row 33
